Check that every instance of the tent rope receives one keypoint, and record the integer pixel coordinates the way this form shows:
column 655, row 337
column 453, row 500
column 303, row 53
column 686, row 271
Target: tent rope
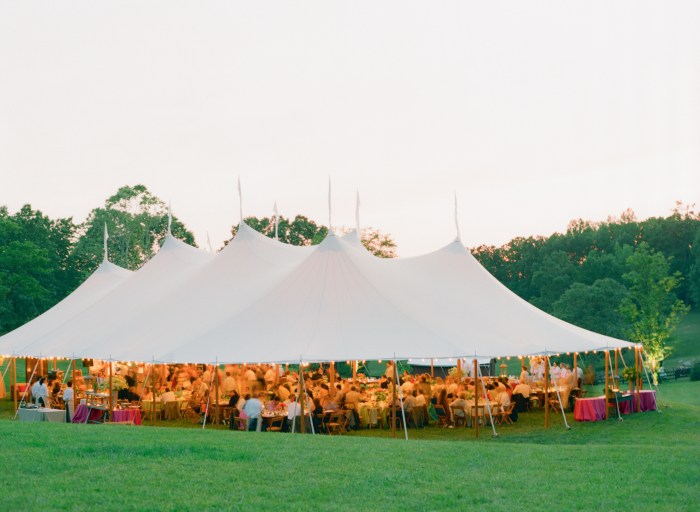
column 617, row 403
column 403, row 413
column 26, row 388
column 306, row 394
column 556, row 389
column 486, row 399
column 206, row 411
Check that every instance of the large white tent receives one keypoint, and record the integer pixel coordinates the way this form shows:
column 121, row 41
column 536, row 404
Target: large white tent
column 263, row 301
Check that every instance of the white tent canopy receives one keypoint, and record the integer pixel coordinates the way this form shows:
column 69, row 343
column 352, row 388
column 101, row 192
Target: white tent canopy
column 84, row 334
column 263, row 301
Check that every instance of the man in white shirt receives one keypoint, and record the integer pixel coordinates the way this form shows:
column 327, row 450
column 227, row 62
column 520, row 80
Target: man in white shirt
column 40, row 392
column 168, row 396
column 229, row 384
column 68, row 396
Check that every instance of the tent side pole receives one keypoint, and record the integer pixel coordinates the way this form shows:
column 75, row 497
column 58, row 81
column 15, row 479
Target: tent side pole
column 354, row 372
column 30, row 379
column 432, row 368
column 331, row 378
column 302, row 400
column 607, row 380
column 546, row 392
column 111, row 402
column 14, row 382
column 216, row 394
column 576, row 371
column 393, row 403
column 75, row 390
column 459, row 371
column 476, row 398
column 617, row 369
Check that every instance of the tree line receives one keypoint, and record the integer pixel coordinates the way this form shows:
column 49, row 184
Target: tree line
column 624, row 277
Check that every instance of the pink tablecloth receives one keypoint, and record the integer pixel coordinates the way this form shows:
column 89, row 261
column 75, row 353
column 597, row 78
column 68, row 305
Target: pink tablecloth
column 81, row 414
column 590, row 409
column 128, row 415
column 647, row 402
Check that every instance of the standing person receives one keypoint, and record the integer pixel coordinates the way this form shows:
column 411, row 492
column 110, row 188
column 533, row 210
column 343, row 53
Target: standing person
column 40, row 392
column 68, row 396
column 524, row 376
column 253, row 408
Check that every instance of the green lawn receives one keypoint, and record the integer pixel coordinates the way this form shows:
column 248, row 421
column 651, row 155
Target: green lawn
column 647, row 462
column 685, row 342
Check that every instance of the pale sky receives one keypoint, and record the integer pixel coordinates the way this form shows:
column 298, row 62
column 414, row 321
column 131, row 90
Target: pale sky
column 534, row 112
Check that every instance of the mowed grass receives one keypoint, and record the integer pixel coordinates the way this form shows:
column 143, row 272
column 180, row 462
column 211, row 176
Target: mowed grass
column 685, row 342
column 649, row 461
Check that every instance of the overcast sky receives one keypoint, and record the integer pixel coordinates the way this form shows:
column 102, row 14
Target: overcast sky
column 535, row 113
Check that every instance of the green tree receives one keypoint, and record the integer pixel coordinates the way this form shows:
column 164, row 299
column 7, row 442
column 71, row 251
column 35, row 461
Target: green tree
column 137, row 222
column 554, row 274
column 594, row 307
column 34, row 270
column 652, row 308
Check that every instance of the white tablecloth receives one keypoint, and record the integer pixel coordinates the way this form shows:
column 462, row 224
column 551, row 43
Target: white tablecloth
column 42, row 414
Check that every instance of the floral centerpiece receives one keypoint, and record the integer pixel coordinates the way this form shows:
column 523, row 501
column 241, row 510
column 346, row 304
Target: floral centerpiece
column 630, row 374
column 118, row 382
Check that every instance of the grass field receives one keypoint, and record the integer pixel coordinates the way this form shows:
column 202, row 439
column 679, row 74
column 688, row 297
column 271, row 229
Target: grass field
column 647, row 462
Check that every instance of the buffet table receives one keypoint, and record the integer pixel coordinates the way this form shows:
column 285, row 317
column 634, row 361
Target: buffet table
column 647, row 402
column 42, row 414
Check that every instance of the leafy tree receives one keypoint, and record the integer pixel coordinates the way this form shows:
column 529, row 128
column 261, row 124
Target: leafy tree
column 694, row 274
column 137, row 222
column 552, row 277
column 652, row 308
column 594, row 307
column 34, row 271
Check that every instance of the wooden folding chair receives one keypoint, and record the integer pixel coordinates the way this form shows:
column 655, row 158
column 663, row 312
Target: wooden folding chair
column 443, row 417
column 504, row 415
column 276, row 424
column 458, row 419
column 337, row 423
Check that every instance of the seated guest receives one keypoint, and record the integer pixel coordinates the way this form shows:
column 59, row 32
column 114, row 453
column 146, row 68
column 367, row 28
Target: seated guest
column 293, row 414
column 272, row 403
column 523, row 389
column 168, row 396
column 420, row 399
column 459, row 406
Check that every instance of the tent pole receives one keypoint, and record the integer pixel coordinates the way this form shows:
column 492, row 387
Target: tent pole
column 331, row 378
column 476, row 398
column 576, row 372
column 607, row 380
column 432, row 368
column 54, row 364
column 354, row 372
column 75, row 390
column 393, row 402
column 111, row 402
column 302, row 401
column 617, row 404
column 216, row 393
column 617, row 371
column 153, row 402
column 546, row 392
column 14, row 382
column 639, row 379
column 459, row 371
column 311, row 419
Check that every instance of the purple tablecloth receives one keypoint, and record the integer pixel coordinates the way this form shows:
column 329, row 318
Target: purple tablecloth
column 590, row 409
column 81, row 414
column 647, row 402
column 127, row 415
